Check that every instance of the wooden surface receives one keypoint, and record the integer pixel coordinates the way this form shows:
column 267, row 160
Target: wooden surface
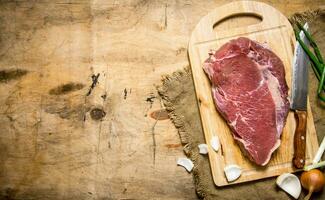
column 47, row 150
column 272, row 28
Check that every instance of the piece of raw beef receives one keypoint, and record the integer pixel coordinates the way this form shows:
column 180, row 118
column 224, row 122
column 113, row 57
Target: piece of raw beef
column 250, row 92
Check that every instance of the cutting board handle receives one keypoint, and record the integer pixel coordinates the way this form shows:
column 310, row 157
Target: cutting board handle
column 250, row 8
column 237, row 15
column 269, row 15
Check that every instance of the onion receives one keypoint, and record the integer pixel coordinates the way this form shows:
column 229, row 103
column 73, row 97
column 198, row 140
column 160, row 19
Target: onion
column 313, row 181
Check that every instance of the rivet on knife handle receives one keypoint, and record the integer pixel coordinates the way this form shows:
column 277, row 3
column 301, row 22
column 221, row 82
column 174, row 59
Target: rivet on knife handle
column 300, row 139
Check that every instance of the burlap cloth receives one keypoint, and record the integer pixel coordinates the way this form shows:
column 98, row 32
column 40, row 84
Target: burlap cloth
column 177, row 92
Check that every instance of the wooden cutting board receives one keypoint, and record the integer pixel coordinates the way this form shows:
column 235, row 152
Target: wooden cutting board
column 262, row 23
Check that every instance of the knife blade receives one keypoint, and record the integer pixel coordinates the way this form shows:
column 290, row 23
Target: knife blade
column 299, row 100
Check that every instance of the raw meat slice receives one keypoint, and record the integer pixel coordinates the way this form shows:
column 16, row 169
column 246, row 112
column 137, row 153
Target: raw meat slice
column 250, row 92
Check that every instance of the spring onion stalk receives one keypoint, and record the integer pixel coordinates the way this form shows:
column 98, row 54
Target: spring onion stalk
column 319, row 57
column 315, row 71
column 314, row 166
column 321, row 82
column 312, row 43
column 317, row 61
column 312, row 57
column 321, row 96
column 319, row 152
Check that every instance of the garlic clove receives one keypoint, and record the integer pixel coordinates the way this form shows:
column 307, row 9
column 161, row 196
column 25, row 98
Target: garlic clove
column 232, row 172
column 203, row 148
column 214, row 142
column 186, row 163
column 290, row 184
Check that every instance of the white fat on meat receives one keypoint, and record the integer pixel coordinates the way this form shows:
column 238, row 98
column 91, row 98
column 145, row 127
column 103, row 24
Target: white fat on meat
column 274, row 88
column 209, row 70
column 265, row 45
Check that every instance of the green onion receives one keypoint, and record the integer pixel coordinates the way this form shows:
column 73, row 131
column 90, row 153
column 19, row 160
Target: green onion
column 321, row 82
column 312, row 43
column 314, row 166
column 315, row 71
column 317, row 62
column 317, row 74
column 321, row 95
column 312, row 57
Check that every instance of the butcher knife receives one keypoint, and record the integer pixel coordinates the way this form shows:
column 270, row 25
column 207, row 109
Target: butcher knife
column 299, row 100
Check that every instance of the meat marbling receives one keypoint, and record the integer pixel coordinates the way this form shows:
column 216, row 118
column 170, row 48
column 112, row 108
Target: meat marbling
column 250, row 92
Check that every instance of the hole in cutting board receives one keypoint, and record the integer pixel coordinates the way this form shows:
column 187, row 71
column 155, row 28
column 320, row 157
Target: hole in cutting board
column 237, row 20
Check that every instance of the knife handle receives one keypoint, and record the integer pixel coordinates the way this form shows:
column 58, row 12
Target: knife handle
column 300, row 139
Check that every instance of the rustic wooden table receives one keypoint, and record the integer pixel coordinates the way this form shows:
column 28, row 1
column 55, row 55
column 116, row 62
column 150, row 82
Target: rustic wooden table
column 60, row 139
